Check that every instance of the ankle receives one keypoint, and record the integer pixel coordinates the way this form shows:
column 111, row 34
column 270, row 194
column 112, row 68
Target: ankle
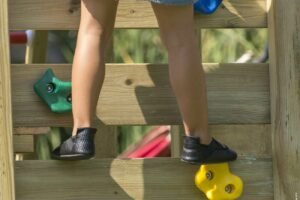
column 203, row 139
column 80, row 123
column 76, row 129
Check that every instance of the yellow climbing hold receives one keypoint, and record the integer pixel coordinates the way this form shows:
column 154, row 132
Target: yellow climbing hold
column 217, row 182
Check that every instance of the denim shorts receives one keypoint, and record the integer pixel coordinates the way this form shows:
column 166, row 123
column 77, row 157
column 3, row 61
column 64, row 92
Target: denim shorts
column 174, row 2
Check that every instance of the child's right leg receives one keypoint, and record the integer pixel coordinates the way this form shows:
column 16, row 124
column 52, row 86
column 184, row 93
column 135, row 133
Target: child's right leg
column 88, row 71
column 96, row 27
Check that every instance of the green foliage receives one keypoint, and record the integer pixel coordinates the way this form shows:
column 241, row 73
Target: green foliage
column 227, row 45
column 138, row 46
column 218, row 45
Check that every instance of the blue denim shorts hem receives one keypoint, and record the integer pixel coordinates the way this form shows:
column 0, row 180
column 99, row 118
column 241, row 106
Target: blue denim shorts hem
column 174, row 2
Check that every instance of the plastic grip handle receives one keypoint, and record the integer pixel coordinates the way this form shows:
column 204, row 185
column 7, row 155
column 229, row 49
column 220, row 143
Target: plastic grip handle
column 206, row 6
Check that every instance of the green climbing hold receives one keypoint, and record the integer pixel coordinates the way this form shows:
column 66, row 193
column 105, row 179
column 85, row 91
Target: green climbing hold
column 55, row 93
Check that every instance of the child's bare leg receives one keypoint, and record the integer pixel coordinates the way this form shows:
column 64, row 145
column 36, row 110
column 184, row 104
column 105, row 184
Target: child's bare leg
column 96, row 26
column 185, row 68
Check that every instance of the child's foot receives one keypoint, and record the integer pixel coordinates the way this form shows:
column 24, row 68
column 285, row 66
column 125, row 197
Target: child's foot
column 196, row 153
column 78, row 147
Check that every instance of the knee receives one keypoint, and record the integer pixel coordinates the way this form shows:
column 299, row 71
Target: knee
column 179, row 40
column 91, row 28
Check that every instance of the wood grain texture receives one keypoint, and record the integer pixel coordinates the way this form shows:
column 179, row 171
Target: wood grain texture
column 141, row 94
column 25, row 156
column 64, row 15
column 148, row 179
column 36, row 52
column 246, row 139
column 284, row 40
column 177, row 132
column 236, row 94
column 106, row 141
column 23, row 143
column 31, row 130
column 7, row 186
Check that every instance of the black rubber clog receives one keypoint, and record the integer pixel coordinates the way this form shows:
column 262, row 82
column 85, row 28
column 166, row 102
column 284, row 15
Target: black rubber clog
column 196, row 153
column 78, row 147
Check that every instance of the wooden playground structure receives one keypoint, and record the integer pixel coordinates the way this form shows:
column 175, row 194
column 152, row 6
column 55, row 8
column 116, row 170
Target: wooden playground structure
column 256, row 104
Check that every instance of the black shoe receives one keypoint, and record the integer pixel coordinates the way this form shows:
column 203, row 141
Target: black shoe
column 78, row 147
column 196, row 153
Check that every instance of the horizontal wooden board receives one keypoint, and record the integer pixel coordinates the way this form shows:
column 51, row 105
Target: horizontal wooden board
column 26, row 156
column 141, row 94
column 31, row 130
column 64, row 15
column 149, row 179
column 23, row 143
column 245, row 139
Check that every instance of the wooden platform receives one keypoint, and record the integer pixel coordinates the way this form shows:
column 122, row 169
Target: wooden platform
column 150, row 179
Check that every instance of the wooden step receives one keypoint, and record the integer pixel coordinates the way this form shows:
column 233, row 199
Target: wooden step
column 160, row 178
column 64, row 15
column 141, row 94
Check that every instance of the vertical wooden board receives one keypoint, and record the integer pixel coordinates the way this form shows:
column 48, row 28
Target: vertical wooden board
column 284, row 40
column 36, row 52
column 106, row 141
column 7, row 190
column 177, row 131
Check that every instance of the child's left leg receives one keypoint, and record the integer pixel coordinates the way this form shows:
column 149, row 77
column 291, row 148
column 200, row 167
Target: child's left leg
column 185, row 68
column 188, row 82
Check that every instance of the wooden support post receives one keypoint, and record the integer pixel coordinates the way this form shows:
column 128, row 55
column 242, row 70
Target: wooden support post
column 284, row 40
column 177, row 131
column 106, row 140
column 36, row 52
column 7, row 186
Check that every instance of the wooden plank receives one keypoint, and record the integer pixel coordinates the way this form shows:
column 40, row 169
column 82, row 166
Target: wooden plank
column 31, row 130
column 161, row 178
column 25, row 156
column 246, row 139
column 177, row 132
column 23, row 143
column 36, row 52
column 284, row 48
column 7, row 186
column 64, row 15
column 106, row 141
column 237, row 93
